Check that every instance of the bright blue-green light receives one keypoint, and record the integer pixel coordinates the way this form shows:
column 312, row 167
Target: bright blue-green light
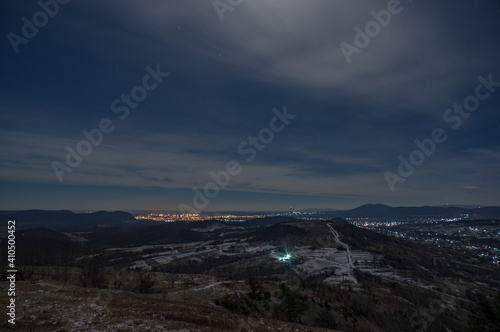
column 285, row 258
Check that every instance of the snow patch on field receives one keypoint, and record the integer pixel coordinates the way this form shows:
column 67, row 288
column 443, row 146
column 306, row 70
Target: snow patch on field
column 140, row 265
column 261, row 248
column 162, row 259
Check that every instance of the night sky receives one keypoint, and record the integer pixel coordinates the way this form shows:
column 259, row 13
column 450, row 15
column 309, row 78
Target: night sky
column 310, row 103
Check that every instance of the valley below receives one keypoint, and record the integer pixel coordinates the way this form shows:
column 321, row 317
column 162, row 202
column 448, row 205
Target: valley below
column 271, row 274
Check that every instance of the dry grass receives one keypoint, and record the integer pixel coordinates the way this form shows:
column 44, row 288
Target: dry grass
column 48, row 305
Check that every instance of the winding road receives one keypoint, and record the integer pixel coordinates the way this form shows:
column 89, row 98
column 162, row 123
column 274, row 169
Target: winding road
column 348, row 251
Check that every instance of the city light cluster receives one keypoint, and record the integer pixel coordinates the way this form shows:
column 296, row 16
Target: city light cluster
column 166, row 217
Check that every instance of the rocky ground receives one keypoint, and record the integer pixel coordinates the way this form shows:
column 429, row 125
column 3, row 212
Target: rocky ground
column 48, row 305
